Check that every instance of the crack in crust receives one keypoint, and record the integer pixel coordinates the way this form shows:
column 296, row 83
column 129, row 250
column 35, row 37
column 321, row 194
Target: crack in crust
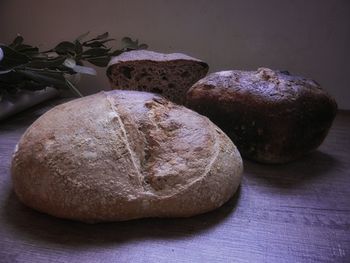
column 157, row 120
column 126, row 141
column 160, row 164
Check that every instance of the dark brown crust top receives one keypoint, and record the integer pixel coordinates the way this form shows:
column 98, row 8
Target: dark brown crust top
column 265, row 85
column 271, row 116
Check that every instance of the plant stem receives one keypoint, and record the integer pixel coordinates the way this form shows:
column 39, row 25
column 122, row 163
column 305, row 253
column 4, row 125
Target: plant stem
column 73, row 88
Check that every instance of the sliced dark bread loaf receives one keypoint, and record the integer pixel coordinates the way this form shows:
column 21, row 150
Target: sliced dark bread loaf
column 170, row 75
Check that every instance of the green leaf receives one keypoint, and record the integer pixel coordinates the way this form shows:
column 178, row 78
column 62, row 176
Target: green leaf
column 126, row 40
column 98, row 43
column 46, row 63
column 28, row 50
column 12, row 58
column 99, row 37
column 17, row 41
column 143, row 46
column 94, row 44
column 99, row 61
column 10, row 78
column 44, row 77
column 128, row 43
column 78, row 48
column 96, row 52
column 116, row 52
column 82, row 36
column 102, row 36
column 23, row 47
column 65, row 47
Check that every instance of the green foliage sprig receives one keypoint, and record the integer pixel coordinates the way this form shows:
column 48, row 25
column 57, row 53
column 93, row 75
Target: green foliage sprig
column 25, row 67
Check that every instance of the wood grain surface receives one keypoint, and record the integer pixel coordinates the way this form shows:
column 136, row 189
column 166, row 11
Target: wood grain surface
column 299, row 212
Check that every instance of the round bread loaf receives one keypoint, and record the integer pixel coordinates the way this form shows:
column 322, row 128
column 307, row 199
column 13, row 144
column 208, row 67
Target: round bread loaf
column 122, row 155
column 271, row 116
column 170, row 75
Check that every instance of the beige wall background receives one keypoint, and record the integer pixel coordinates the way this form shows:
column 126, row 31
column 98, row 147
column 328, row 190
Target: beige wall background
column 309, row 38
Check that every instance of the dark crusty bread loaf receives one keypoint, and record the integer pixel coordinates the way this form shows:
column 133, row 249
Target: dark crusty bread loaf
column 271, row 116
column 170, row 75
column 122, row 155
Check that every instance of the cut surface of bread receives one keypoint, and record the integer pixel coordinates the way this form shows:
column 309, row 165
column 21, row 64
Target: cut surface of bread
column 170, row 75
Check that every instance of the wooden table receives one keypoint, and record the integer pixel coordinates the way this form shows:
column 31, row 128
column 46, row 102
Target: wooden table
column 299, row 212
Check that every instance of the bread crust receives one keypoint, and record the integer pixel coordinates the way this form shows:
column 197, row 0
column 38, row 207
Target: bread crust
column 124, row 155
column 271, row 116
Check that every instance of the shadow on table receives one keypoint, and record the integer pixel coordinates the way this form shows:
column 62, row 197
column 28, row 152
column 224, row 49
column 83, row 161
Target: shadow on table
column 28, row 223
column 314, row 165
